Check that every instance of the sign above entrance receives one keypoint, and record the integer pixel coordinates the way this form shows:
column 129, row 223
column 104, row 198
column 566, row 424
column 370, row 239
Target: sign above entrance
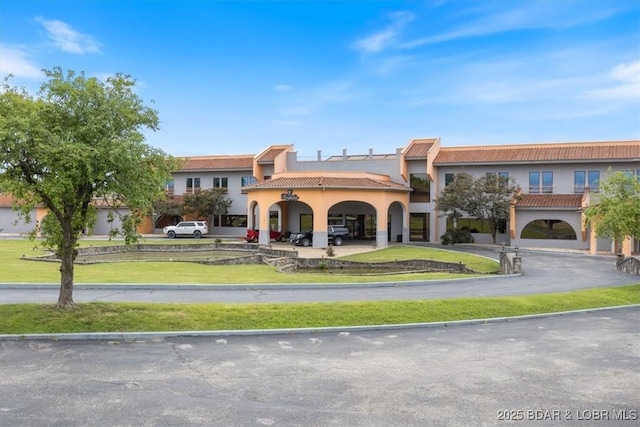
column 289, row 196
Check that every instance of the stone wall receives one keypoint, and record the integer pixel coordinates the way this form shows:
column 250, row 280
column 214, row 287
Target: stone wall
column 630, row 265
column 408, row 265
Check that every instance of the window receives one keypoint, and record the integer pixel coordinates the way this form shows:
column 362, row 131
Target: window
column 234, row 220
column 534, row 182
column 170, row 187
column 475, row 225
column 579, row 181
column 594, row 181
column 248, row 180
column 638, row 174
column 336, row 219
column 448, row 178
column 421, row 188
column 221, row 183
column 536, row 185
column 547, row 182
column 193, row 185
column 502, row 178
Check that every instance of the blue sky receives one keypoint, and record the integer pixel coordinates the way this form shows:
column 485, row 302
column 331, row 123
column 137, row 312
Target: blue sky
column 234, row 77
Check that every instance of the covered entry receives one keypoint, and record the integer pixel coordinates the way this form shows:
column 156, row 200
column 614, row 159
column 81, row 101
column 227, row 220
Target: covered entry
column 369, row 204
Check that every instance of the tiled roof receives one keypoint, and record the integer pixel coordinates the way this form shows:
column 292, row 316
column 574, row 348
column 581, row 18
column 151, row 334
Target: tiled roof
column 327, row 182
column 218, row 162
column 270, row 155
column 419, row 148
column 540, row 153
column 573, row 201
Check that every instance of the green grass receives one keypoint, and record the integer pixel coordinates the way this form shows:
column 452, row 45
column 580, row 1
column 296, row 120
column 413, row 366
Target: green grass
column 400, row 253
column 16, row 269
column 132, row 317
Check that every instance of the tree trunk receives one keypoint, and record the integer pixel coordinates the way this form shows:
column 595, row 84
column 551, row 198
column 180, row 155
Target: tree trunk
column 68, row 257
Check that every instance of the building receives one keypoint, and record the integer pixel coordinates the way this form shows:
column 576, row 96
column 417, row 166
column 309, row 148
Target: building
column 391, row 197
column 386, row 198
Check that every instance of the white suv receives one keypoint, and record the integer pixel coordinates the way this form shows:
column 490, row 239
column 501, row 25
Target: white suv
column 186, row 228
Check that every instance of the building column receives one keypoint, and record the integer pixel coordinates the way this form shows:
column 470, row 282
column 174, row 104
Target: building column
column 382, row 232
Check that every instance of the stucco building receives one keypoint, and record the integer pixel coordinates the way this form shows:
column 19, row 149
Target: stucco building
column 390, row 197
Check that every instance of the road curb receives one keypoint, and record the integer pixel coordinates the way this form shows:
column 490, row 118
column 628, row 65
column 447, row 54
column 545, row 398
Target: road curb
column 139, row 336
column 252, row 286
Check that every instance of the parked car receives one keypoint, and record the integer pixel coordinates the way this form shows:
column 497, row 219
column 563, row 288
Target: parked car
column 254, row 236
column 335, row 235
column 186, row 228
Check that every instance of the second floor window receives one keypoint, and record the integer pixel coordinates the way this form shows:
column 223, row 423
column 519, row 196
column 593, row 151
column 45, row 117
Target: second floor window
column 448, row 178
column 594, row 181
column 540, row 182
column 579, row 181
column 193, row 185
column 221, row 183
column 534, row 182
column 248, row 180
column 421, row 188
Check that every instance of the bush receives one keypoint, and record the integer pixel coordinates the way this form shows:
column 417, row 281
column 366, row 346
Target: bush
column 452, row 237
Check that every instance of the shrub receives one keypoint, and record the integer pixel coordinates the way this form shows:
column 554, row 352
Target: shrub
column 452, row 237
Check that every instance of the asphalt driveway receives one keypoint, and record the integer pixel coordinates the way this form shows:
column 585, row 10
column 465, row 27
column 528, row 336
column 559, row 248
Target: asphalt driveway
column 579, row 369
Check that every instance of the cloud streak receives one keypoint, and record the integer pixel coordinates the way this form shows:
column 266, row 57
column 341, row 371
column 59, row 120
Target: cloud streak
column 67, row 39
column 16, row 61
column 386, row 37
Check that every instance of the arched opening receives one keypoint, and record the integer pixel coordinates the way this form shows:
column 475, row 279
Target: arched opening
column 358, row 217
column 548, row 229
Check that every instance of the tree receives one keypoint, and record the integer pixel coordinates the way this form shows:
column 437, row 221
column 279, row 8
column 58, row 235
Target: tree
column 487, row 199
column 170, row 207
column 616, row 211
column 78, row 140
column 206, row 203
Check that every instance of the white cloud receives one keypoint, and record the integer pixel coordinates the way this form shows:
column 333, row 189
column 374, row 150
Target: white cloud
column 386, row 37
column 16, row 61
column 527, row 15
column 623, row 84
column 283, row 88
column 309, row 101
column 67, row 39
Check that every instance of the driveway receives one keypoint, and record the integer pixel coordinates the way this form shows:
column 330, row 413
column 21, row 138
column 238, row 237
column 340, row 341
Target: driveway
column 581, row 369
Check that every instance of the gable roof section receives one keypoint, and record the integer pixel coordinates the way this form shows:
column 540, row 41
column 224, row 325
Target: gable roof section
column 320, row 182
column 419, row 148
column 558, row 201
column 269, row 155
column 205, row 163
column 533, row 153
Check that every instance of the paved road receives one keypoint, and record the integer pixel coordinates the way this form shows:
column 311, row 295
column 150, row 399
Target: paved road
column 542, row 272
column 577, row 369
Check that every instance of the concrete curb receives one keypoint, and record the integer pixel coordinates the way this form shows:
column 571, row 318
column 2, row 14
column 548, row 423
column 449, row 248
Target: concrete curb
column 138, row 336
column 256, row 286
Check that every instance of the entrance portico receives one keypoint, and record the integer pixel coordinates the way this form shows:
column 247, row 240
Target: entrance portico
column 319, row 194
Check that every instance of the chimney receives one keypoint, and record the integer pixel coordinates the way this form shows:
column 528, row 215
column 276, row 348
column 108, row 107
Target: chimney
column 370, row 153
column 319, row 155
column 344, row 154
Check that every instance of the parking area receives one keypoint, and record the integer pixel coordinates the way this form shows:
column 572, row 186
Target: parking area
column 580, row 369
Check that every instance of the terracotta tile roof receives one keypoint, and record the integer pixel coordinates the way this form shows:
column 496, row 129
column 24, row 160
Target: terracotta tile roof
column 218, row 162
column 572, row 201
column 419, row 148
column 270, row 155
column 540, row 153
column 327, row 182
